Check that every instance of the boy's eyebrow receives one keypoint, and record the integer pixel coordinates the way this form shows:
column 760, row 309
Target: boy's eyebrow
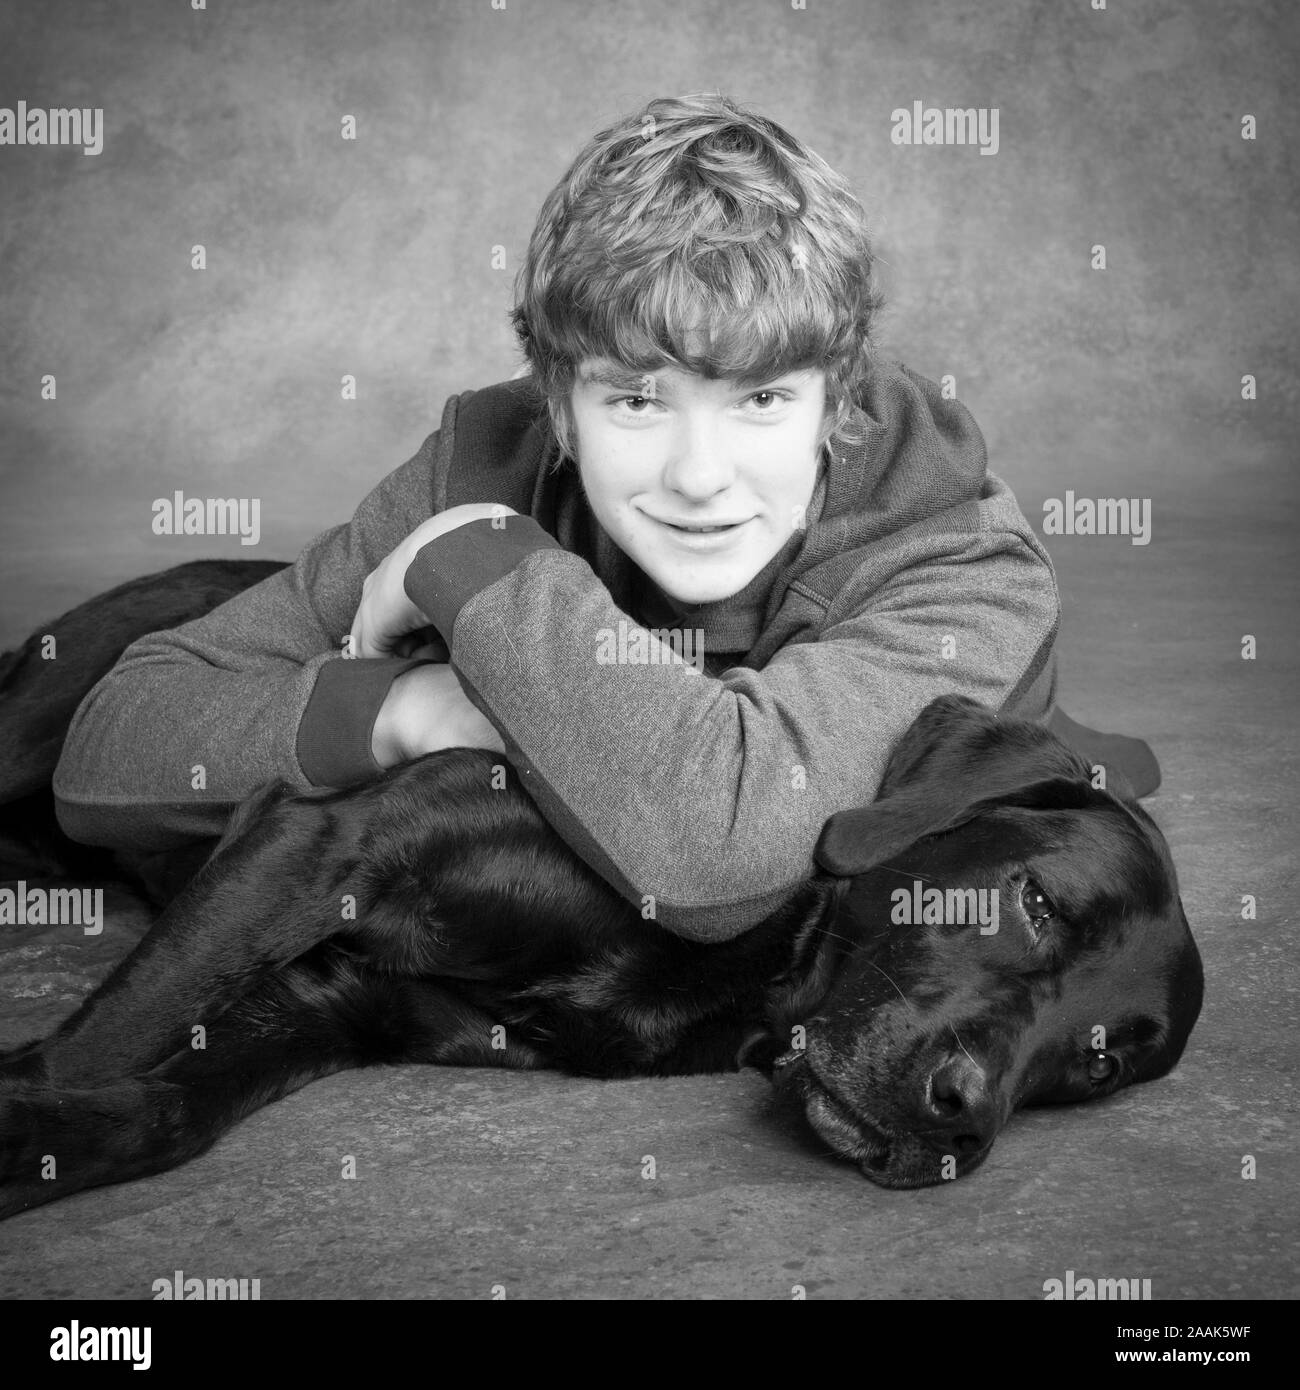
column 618, row 377
column 622, row 379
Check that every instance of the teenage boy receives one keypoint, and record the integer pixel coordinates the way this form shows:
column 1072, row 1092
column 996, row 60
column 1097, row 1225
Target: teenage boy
column 692, row 575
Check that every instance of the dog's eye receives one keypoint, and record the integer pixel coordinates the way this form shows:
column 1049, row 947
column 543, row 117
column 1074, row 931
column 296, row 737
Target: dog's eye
column 1101, row 1067
column 1038, row 907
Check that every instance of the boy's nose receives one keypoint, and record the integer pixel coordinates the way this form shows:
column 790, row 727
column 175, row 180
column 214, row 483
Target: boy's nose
column 698, row 465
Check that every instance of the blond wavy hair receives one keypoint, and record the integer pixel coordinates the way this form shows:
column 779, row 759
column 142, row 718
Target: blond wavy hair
column 699, row 235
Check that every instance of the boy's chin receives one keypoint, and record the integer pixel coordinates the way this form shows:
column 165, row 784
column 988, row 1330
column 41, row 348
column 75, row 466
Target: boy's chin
column 711, row 584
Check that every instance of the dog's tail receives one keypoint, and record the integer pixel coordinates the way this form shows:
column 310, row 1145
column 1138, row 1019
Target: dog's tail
column 43, row 681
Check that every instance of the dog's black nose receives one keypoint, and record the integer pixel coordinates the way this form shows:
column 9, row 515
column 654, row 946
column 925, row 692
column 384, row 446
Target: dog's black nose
column 960, row 1106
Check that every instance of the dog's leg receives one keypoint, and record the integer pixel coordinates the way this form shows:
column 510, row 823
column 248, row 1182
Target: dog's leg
column 251, row 909
column 318, row 1016
column 54, row 1142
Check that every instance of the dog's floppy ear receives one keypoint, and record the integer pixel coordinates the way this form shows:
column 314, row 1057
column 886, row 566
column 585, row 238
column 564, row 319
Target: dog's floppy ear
column 956, row 761
column 859, row 839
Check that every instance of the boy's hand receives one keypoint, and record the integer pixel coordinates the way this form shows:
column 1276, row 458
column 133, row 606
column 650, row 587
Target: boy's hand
column 386, row 614
column 426, row 710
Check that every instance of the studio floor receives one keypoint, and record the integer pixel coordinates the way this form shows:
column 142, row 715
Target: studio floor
column 466, row 1180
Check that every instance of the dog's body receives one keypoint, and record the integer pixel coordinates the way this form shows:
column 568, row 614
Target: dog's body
column 432, row 915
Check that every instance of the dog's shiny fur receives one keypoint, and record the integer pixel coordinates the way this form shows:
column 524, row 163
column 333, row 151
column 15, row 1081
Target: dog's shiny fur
column 479, row 939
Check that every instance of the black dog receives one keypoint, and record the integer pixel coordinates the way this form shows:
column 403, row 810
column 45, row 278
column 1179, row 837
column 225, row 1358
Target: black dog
column 426, row 917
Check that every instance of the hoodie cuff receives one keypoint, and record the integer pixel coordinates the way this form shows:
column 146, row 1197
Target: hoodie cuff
column 450, row 570
column 334, row 733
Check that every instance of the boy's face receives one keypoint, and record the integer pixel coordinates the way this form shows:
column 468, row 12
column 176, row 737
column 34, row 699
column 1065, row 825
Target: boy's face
column 664, row 455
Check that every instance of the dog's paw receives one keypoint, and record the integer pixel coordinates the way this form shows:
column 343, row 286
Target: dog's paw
column 53, row 1144
column 20, row 1157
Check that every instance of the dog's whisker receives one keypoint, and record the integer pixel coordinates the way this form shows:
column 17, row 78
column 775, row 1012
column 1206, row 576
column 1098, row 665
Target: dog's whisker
column 907, row 873
column 962, row 1045
column 893, row 982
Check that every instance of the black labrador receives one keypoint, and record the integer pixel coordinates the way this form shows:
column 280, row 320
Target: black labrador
column 426, row 917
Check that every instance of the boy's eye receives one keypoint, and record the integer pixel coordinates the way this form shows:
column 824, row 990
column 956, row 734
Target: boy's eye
column 766, row 401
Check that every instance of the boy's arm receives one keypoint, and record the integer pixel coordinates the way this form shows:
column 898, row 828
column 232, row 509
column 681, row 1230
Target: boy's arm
column 191, row 720
column 709, row 794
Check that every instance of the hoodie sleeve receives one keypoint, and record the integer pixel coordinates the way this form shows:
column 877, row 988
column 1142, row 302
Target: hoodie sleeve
column 701, row 798
column 191, row 720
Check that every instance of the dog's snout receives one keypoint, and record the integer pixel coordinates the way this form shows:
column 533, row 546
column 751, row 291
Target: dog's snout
column 961, row 1106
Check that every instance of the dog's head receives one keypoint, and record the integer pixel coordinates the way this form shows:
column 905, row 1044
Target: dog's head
column 1007, row 934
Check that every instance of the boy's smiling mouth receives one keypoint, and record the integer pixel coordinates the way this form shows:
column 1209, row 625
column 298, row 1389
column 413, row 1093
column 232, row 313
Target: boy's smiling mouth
column 702, row 527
